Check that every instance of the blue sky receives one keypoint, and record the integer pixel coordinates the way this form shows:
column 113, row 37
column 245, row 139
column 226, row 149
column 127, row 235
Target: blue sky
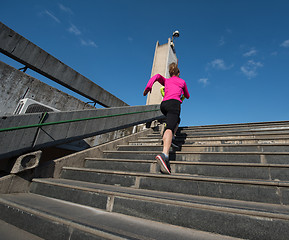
column 234, row 55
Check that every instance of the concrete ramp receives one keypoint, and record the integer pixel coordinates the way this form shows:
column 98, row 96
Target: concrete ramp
column 29, row 132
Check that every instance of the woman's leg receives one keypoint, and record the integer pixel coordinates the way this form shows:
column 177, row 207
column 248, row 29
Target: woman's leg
column 176, row 129
column 171, row 109
column 167, row 141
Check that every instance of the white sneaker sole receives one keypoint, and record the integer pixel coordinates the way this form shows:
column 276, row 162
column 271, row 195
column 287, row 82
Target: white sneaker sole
column 163, row 165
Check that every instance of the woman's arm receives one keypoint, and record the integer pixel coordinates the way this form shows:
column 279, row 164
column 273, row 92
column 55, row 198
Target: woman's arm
column 145, row 92
column 186, row 92
column 151, row 82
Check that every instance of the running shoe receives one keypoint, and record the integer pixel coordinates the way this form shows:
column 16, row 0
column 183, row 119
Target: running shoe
column 164, row 163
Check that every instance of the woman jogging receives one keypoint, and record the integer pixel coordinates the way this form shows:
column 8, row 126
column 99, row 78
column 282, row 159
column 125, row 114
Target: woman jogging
column 175, row 87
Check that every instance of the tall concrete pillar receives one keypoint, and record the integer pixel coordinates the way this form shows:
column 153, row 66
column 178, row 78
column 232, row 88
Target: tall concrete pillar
column 164, row 56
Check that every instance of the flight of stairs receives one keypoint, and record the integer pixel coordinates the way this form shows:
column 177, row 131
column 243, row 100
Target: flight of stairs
column 227, row 182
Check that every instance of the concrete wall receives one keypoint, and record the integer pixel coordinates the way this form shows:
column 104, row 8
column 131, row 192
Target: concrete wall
column 15, row 85
column 15, row 183
column 164, row 56
column 22, row 133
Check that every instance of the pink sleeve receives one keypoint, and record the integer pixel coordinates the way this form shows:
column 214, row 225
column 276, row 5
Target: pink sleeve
column 151, row 82
column 186, row 92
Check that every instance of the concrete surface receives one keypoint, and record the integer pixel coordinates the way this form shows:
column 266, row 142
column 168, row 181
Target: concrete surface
column 56, row 219
column 208, row 191
column 17, row 142
column 16, row 85
column 10, row 232
column 15, row 183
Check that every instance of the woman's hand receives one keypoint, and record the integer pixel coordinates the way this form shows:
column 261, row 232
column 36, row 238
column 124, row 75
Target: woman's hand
column 145, row 92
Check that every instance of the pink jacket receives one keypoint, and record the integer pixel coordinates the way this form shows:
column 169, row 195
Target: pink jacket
column 175, row 87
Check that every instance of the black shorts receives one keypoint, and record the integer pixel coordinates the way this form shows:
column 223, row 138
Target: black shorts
column 172, row 110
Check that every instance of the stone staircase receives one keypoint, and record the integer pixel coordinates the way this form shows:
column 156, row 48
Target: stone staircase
column 227, row 182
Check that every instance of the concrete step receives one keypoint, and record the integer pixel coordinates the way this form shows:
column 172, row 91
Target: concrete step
column 211, row 148
column 10, row 232
column 234, row 129
column 228, row 179
column 241, row 219
column 58, row 219
column 213, row 169
column 234, row 157
column 245, row 124
column 276, row 192
column 216, row 140
column 121, row 164
column 239, row 125
column 271, row 132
